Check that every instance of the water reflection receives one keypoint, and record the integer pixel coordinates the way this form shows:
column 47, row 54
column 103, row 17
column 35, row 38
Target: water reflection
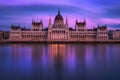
column 60, row 61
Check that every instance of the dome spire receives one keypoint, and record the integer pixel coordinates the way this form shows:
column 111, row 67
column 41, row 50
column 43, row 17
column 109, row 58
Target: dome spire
column 58, row 11
column 58, row 17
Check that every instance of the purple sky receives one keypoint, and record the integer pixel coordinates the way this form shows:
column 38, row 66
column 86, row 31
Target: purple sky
column 102, row 12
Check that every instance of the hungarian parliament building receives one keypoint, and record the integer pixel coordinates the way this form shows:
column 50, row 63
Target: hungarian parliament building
column 59, row 31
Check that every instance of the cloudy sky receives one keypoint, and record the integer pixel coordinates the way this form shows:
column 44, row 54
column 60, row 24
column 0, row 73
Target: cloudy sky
column 102, row 12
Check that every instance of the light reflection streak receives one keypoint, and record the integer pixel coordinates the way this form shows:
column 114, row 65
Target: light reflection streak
column 58, row 56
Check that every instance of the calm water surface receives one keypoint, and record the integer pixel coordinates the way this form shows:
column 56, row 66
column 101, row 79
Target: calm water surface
column 60, row 62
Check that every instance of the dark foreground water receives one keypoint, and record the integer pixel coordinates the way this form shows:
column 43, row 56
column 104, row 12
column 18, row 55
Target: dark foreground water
column 60, row 62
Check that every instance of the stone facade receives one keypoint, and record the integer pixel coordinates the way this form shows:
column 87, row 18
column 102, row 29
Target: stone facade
column 102, row 33
column 115, row 34
column 58, row 31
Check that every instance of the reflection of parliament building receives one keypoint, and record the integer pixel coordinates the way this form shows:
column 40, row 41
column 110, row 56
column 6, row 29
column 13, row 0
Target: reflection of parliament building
column 59, row 31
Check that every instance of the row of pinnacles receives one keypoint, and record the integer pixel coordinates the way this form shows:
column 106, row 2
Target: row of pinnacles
column 58, row 31
column 37, row 26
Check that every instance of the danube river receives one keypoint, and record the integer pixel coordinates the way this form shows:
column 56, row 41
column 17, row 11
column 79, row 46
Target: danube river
column 60, row 62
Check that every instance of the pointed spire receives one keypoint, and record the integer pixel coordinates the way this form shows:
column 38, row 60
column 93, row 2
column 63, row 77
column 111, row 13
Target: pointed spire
column 76, row 21
column 41, row 20
column 66, row 20
column 32, row 20
column 85, row 20
column 58, row 11
column 50, row 21
column 98, row 25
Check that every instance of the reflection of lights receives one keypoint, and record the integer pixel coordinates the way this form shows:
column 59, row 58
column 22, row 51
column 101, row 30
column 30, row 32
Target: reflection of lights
column 14, row 45
column 62, row 49
column 54, row 49
column 57, row 49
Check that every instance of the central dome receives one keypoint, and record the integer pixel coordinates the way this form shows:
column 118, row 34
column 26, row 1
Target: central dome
column 58, row 17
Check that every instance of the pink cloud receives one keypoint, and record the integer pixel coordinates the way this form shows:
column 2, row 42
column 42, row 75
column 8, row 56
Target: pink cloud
column 110, row 21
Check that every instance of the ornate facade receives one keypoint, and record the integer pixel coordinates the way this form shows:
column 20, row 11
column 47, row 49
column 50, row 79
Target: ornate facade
column 58, row 31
